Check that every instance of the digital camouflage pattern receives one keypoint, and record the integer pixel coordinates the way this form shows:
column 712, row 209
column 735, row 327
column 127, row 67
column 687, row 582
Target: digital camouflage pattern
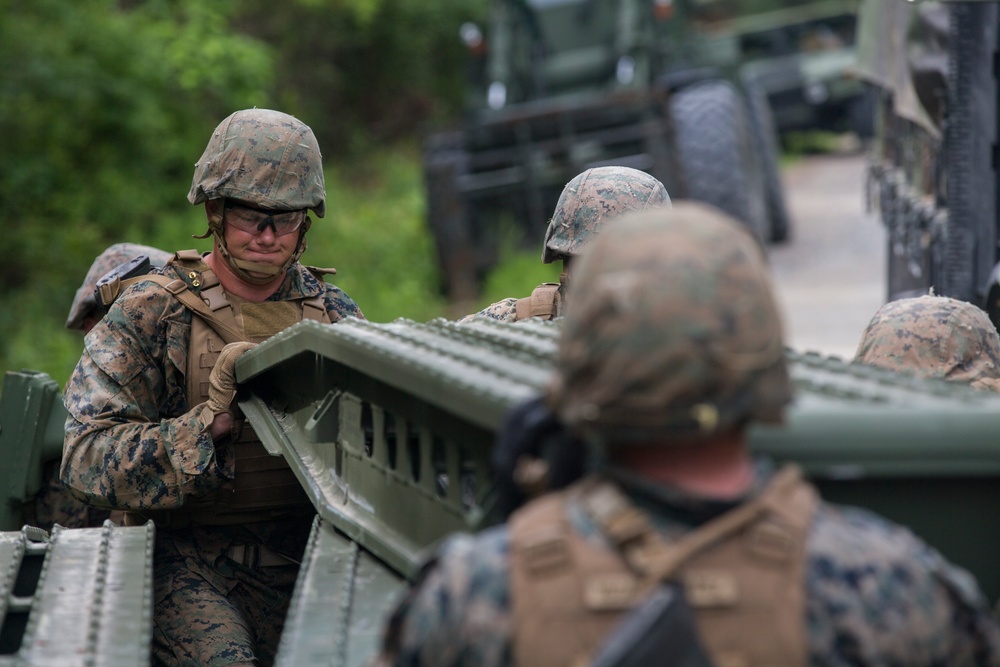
column 132, row 440
column 134, row 443
column 934, row 337
column 504, row 310
column 875, row 593
column 198, row 592
column 679, row 334
column 265, row 158
column 591, row 199
column 115, row 255
column 53, row 505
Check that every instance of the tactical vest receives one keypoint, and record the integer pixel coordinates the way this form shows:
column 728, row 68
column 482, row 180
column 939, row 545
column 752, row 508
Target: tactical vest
column 545, row 302
column 264, row 486
column 743, row 573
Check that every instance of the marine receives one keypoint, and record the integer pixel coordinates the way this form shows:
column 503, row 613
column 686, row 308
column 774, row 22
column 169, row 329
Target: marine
column 152, row 427
column 671, row 346
column 53, row 504
column 588, row 203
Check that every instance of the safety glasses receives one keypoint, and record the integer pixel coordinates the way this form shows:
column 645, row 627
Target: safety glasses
column 254, row 220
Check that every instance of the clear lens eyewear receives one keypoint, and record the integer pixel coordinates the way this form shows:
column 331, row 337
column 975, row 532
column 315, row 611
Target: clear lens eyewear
column 253, row 220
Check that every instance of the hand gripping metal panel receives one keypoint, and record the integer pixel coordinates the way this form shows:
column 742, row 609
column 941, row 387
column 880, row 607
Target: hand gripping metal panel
column 81, row 596
column 389, row 427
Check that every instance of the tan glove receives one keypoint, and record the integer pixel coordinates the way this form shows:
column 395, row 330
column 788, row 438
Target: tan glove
column 222, row 381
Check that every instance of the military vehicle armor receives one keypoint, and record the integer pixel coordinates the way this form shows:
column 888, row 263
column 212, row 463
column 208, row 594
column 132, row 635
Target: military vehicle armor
column 933, row 174
column 389, row 428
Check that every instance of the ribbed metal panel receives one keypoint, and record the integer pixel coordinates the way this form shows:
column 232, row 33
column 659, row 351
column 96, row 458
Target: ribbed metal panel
column 78, row 597
column 340, row 603
column 390, row 426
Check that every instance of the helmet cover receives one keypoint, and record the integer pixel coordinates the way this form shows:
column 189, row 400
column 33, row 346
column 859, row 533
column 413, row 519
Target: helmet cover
column 265, row 158
column 934, row 337
column 115, row 255
column 592, row 198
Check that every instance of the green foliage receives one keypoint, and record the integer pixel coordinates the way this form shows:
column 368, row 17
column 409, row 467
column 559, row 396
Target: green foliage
column 374, row 234
column 387, row 66
column 103, row 111
column 105, row 105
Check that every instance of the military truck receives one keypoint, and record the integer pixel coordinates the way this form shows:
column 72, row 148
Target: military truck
column 692, row 91
column 558, row 86
column 389, row 429
column 801, row 52
column 933, row 173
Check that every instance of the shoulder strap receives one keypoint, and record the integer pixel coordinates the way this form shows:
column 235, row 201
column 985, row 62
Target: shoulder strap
column 179, row 290
column 748, row 608
column 544, row 302
column 788, row 496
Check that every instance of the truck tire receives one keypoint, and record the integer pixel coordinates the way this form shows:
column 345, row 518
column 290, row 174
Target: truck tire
column 765, row 134
column 717, row 152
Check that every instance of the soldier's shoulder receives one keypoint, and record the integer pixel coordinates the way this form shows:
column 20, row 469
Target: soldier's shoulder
column 876, row 588
column 458, row 611
column 504, row 310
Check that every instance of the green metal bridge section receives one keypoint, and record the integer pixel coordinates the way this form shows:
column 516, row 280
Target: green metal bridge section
column 389, row 428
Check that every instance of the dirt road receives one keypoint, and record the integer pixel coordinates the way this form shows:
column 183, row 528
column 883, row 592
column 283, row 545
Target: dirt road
column 831, row 274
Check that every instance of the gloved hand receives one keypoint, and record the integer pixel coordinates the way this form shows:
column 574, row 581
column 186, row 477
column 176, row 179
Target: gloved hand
column 222, row 381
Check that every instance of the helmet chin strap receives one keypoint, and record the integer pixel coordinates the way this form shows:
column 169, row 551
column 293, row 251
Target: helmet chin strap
column 240, row 267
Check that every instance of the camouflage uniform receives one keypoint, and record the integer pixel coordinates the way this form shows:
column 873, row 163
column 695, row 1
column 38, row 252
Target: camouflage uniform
column 587, row 203
column 53, row 504
column 133, row 442
column 934, row 337
column 672, row 367
column 876, row 595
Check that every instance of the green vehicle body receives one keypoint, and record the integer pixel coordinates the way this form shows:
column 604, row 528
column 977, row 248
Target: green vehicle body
column 803, row 54
column 933, row 175
column 389, row 429
column 695, row 92
column 559, row 86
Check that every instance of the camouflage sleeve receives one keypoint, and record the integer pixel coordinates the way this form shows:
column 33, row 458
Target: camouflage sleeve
column 131, row 440
column 457, row 614
column 878, row 595
column 339, row 305
column 504, row 310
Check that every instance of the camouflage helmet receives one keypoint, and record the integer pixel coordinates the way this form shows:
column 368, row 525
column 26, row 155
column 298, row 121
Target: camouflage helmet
column 119, row 253
column 265, row 158
column 675, row 334
column 934, row 337
column 592, row 198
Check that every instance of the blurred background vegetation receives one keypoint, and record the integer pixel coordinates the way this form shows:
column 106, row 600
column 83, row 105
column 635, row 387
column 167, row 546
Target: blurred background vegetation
column 105, row 105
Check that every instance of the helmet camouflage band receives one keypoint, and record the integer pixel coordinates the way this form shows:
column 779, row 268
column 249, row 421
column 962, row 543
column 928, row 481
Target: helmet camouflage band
column 592, row 198
column 936, row 337
column 675, row 333
column 269, row 160
column 115, row 255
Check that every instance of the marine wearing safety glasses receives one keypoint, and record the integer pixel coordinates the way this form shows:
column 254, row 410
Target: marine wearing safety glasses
column 253, row 220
